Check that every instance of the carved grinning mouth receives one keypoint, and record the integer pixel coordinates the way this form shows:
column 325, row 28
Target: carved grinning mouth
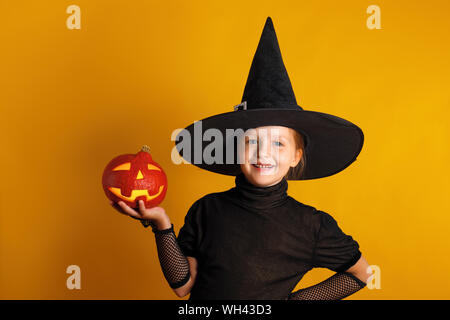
column 136, row 193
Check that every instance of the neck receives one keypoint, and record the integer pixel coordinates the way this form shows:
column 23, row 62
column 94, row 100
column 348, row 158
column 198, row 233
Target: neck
column 276, row 182
column 260, row 197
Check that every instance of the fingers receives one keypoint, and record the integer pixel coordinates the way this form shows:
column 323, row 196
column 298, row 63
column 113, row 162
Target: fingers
column 130, row 211
column 117, row 207
column 141, row 206
column 123, row 208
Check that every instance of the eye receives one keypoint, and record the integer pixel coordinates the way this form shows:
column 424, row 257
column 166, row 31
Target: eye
column 251, row 141
column 152, row 167
column 278, row 144
column 123, row 166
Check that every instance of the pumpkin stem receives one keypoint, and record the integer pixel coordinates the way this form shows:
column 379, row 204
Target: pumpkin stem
column 145, row 148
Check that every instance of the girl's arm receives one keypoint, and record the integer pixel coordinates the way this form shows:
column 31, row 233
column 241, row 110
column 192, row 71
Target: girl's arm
column 338, row 286
column 180, row 271
column 185, row 289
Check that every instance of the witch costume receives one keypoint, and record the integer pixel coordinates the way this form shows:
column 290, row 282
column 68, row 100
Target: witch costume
column 255, row 242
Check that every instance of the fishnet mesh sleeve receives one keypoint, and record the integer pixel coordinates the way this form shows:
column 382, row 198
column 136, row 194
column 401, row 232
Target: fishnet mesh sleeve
column 336, row 287
column 173, row 263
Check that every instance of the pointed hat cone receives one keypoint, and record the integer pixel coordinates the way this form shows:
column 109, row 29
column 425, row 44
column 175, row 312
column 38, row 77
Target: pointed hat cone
column 268, row 83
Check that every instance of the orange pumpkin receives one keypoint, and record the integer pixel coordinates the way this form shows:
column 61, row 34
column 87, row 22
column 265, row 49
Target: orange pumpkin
column 134, row 177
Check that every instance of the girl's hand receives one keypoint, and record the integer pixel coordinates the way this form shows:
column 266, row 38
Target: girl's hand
column 156, row 215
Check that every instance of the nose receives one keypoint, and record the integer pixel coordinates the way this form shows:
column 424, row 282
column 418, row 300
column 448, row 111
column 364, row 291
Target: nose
column 263, row 149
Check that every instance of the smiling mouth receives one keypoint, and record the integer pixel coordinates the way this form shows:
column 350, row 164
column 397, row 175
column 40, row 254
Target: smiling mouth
column 263, row 166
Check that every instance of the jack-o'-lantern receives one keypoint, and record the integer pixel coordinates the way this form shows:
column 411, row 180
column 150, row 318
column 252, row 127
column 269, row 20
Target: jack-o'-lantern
column 134, row 177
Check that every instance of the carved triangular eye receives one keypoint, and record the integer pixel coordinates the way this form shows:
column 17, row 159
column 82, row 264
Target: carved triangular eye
column 123, row 166
column 152, row 167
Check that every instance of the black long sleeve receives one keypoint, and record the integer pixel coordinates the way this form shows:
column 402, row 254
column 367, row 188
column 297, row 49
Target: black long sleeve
column 336, row 287
column 174, row 264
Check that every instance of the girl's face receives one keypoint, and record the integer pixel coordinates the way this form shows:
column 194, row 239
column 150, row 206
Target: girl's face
column 269, row 153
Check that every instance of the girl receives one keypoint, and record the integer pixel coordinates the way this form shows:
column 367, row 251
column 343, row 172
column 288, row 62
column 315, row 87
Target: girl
column 254, row 241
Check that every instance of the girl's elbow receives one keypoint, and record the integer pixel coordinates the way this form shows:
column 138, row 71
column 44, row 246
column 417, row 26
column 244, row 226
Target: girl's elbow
column 360, row 269
column 185, row 289
column 179, row 293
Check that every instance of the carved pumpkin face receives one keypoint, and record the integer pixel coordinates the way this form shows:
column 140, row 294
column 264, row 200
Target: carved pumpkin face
column 134, row 177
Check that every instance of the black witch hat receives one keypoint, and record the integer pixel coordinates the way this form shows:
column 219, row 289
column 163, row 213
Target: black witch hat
column 331, row 143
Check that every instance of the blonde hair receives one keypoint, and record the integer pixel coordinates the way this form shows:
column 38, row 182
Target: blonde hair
column 298, row 170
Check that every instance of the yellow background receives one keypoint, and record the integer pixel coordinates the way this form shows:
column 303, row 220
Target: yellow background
column 71, row 100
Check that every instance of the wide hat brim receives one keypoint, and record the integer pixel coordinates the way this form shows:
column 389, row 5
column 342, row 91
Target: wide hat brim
column 331, row 143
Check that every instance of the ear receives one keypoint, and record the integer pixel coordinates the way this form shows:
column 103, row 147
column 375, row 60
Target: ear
column 297, row 157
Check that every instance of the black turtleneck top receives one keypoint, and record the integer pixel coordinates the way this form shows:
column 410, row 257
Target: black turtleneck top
column 257, row 242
